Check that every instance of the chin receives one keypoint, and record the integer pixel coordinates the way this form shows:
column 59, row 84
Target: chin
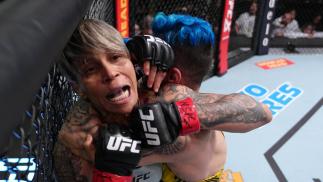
column 123, row 109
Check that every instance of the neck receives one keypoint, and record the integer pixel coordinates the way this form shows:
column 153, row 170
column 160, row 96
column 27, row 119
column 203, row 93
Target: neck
column 189, row 84
column 108, row 117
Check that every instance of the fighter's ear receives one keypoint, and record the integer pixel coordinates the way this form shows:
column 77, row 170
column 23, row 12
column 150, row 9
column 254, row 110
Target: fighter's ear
column 174, row 75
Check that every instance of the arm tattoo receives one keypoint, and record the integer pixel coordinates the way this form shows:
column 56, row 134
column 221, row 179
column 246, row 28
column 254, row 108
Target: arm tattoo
column 66, row 168
column 67, row 165
column 80, row 113
column 171, row 149
column 174, row 92
column 233, row 108
column 216, row 109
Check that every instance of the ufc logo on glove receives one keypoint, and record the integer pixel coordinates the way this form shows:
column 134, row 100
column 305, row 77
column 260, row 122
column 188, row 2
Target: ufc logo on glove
column 121, row 143
column 151, row 133
column 153, row 39
column 160, row 123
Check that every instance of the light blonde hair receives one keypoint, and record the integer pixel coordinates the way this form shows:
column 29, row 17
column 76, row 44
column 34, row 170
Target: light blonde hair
column 90, row 37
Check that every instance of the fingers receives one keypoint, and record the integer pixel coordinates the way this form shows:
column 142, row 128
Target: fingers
column 89, row 148
column 92, row 123
column 83, row 147
column 158, row 80
column 93, row 131
column 88, row 140
column 146, row 67
column 151, row 77
column 75, row 139
column 155, row 77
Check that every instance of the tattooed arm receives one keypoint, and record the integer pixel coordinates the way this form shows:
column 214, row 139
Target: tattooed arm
column 79, row 128
column 69, row 167
column 73, row 152
column 232, row 113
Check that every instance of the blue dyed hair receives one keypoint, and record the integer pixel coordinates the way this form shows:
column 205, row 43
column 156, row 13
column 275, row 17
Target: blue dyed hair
column 192, row 40
column 183, row 29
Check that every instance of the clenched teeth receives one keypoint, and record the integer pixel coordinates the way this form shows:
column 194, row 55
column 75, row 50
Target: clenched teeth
column 122, row 94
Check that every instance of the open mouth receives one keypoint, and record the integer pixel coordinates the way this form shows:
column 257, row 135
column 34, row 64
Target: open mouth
column 119, row 94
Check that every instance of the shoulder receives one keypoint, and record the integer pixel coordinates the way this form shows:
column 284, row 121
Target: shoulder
column 294, row 22
column 244, row 15
column 278, row 19
column 174, row 92
column 80, row 112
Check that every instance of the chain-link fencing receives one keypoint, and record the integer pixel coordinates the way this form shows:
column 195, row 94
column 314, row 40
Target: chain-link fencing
column 28, row 157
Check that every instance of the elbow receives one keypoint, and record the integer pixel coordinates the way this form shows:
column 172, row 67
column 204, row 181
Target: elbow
column 265, row 119
column 246, row 130
column 268, row 114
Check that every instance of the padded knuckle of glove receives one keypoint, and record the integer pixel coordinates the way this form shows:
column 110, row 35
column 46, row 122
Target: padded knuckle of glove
column 151, row 127
column 116, row 152
column 154, row 49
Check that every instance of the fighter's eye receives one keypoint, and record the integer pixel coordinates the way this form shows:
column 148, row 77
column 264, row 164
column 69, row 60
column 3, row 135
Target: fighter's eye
column 115, row 57
column 90, row 70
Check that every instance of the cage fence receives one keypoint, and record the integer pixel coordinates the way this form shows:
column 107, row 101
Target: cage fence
column 143, row 11
column 102, row 10
column 28, row 156
column 297, row 27
column 146, row 9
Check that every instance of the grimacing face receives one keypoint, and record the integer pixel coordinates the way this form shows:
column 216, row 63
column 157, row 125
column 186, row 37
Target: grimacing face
column 109, row 81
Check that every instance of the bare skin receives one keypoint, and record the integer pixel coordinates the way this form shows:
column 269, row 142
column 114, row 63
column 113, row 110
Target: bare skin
column 249, row 114
column 178, row 156
column 108, row 83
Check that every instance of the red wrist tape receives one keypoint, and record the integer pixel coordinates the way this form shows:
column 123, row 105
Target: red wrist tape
column 189, row 117
column 100, row 176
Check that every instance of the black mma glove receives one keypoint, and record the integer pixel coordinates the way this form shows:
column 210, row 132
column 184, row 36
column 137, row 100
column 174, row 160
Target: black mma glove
column 154, row 49
column 161, row 123
column 116, row 155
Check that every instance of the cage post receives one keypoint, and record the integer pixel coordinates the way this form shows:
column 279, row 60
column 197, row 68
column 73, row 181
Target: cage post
column 261, row 36
column 122, row 17
column 224, row 38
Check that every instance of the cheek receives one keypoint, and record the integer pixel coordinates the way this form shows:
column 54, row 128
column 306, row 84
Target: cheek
column 130, row 72
column 90, row 87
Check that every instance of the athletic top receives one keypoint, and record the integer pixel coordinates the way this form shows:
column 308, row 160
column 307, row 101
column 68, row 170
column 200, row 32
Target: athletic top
column 169, row 176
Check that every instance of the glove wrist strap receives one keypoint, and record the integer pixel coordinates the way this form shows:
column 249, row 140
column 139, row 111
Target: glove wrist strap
column 188, row 116
column 100, row 176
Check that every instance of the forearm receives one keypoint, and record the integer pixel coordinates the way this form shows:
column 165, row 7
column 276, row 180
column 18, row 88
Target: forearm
column 67, row 168
column 233, row 112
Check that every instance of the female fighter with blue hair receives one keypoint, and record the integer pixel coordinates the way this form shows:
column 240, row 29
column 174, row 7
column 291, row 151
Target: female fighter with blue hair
column 199, row 156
